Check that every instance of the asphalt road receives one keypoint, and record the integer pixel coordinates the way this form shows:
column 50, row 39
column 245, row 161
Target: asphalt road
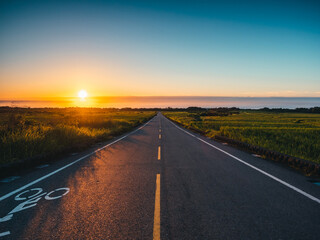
column 160, row 181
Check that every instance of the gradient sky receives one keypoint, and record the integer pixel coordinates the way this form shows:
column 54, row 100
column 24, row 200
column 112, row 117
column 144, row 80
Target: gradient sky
column 159, row 48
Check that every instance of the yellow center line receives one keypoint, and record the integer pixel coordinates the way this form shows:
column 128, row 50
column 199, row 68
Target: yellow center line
column 159, row 153
column 159, row 130
column 159, row 136
column 156, row 221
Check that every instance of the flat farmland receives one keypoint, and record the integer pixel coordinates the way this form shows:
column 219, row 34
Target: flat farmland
column 295, row 134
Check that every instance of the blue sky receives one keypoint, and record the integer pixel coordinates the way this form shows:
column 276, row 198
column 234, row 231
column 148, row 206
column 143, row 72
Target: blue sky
column 147, row 48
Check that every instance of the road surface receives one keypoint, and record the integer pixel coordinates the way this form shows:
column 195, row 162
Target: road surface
column 160, row 181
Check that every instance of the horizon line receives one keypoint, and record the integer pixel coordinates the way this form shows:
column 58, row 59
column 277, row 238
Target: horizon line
column 133, row 96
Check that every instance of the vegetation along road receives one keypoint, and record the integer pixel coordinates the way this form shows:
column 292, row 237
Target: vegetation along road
column 160, row 181
column 295, row 134
column 47, row 132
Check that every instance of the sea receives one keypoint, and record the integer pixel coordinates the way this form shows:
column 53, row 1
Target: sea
column 172, row 102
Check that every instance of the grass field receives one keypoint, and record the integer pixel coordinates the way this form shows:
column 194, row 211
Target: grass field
column 295, row 134
column 26, row 133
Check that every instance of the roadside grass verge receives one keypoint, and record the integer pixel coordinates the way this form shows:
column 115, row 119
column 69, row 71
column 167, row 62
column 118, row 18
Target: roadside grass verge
column 294, row 134
column 28, row 133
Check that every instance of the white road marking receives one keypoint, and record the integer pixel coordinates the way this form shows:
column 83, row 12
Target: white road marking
column 19, row 198
column 256, row 155
column 156, row 220
column 26, row 204
column 66, row 166
column 9, row 179
column 33, row 199
column 47, row 197
column 4, row 233
column 255, row 168
column 6, row 218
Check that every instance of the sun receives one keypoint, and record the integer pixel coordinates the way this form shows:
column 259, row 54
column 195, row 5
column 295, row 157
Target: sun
column 82, row 94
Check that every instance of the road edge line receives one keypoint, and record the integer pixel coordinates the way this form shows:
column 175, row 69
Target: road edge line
column 255, row 168
column 68, row 165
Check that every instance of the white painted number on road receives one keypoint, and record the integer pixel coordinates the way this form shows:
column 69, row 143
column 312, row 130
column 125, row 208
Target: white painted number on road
column 20, row 196
column 30, row 199
column 51, row 195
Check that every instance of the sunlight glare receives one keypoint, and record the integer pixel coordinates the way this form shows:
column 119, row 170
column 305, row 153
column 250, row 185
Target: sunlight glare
column 82, row 94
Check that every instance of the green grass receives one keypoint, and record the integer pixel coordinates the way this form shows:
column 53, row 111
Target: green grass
column 26, row 133
column 295, row 134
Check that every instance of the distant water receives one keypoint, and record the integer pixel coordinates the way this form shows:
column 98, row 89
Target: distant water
column 163, row 102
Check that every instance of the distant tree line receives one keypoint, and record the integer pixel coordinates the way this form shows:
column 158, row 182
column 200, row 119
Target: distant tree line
column 205, row 111
column 286, row 110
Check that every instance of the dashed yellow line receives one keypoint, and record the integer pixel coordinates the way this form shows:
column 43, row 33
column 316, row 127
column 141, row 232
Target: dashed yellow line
column 159, row 136
column 156, row 221
column 159, row 153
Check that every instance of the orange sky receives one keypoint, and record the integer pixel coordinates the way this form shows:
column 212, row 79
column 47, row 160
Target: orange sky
column 50, row 51
column 64, row 78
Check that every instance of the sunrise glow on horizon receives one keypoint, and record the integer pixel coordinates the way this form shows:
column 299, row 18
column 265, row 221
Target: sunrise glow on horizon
column 52, row 49
column 82, row 94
